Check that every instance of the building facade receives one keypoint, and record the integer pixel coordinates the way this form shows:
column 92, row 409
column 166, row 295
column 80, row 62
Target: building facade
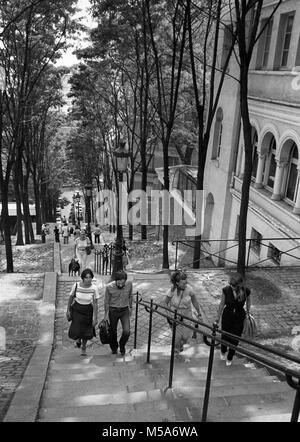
column 273, row 224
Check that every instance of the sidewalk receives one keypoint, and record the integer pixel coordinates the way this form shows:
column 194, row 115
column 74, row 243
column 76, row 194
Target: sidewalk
column 275, row 306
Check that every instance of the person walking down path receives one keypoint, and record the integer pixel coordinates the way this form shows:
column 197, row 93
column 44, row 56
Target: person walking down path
column 56, row 233
column 182, row 298
column 65, row 233
column 80, row 249
column 231, row 309
column 118, row 306
column 84, row 310
column 45, row 231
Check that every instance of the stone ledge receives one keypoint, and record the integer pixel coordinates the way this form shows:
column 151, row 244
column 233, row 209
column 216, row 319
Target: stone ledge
column 30, row 389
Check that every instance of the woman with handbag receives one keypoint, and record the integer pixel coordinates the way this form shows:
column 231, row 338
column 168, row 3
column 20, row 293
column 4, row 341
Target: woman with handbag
column 231, row 309
column 83, row 310
column 182, row 298
column 81, row 252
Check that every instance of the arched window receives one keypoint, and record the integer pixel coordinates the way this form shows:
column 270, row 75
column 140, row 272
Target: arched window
column 255, row 155
column 270, row 168
column 217, row 140
column 292, row 174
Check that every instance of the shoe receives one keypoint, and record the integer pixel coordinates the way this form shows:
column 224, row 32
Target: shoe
column 77, row 343
column 222, row 356
column 83, row 351
column 228, row 363
column 114, row 352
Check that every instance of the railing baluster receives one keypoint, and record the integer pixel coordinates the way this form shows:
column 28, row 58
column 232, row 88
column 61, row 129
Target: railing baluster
column 296, row 406
column 172, row 350
column 136, row 319
column 208, row 376
column 150, row 331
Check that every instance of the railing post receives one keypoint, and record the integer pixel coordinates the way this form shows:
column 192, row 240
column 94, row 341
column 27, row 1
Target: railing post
column 248, row 254
column 208, row 377
column 296, row 406
column 136, row 319
column 176, row 255
column 150, row 331
column 172, row 350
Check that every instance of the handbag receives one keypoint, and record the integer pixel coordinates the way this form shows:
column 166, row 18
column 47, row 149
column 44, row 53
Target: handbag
column 104, row 331
column 88, row 250
column 71, row 302
column 250, row 327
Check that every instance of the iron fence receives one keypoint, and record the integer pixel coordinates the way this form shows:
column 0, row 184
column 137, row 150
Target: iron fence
column 213, row 336
column 260, row 253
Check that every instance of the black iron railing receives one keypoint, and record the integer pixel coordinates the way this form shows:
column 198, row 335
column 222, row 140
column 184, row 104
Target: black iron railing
column 274, row 254
column 213, row 336
column 103, row 259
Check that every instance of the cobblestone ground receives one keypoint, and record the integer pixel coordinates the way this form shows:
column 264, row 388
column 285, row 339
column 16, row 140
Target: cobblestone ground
column 20, row 300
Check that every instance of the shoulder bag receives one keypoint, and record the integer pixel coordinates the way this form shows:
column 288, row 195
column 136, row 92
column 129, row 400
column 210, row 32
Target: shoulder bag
column 250, row 327
column 71, row 301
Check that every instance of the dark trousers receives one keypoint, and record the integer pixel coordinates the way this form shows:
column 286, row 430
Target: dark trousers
column 232, row 323
column 116, row 314
column 97, row 239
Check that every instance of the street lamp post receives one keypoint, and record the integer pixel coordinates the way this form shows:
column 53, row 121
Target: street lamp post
column 121, row 159
column 77, row 199
column 88, row 191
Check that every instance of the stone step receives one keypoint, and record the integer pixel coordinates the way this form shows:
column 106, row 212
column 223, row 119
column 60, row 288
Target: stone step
column 234, row 390
column 238, row 408
column 157, row 411
column 78, row 398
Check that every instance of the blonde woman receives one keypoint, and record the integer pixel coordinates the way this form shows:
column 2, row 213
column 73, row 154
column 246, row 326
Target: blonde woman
column 181, row 297
column 80, row 245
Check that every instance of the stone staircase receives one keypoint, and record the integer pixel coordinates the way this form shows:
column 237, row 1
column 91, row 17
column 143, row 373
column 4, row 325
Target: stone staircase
column 103, row 388
column 241, row 392
column 107, row 388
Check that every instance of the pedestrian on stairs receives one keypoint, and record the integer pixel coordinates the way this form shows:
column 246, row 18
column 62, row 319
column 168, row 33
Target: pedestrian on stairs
column 231, row 310
column 118, row 306
column 84, row 310
column 182, row 298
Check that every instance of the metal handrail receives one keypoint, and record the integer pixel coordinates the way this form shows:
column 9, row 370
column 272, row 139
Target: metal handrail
column 211, row 338
column 187, row 242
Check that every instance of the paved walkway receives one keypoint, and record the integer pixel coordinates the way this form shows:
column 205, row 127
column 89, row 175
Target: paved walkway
column 276, row 306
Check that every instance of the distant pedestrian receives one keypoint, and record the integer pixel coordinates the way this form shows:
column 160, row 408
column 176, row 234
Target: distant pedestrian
column 71, row 230
column 97, row 232
column 65, row 233
column 43, row 233
column 80, row 249
column 231, row 309
column 182, row 298
column 118, row 306
column 56, row 233
column 84, row 310
column 76, row 232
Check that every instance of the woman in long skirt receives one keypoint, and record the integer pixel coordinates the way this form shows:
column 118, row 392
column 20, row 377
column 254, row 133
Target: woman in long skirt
column 84, row 310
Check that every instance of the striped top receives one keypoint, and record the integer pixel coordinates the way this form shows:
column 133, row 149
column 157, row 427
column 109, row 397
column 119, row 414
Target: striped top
column 85, row 295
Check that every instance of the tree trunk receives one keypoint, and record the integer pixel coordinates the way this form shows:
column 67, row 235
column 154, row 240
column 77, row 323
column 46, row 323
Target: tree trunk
column 18, row 227
column 37, row 207
column 247, row 172
column 6, row 229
